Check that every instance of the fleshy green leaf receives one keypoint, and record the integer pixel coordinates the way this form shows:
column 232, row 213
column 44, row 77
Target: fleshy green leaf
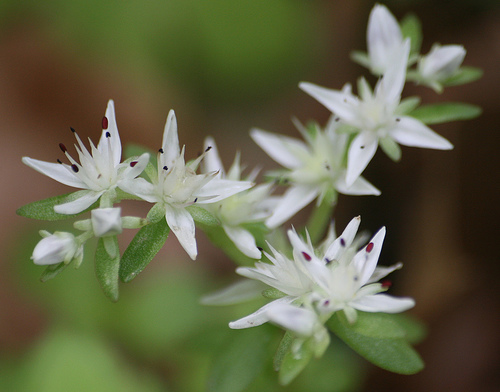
column 241, row 361
column 393, row 354
column 294, row 362
column 44, row 209
column 415, row 331
column 411, row 28
column 107, row 267
column 464, row 75
column 52, row 271
column 378, row 325
column 142, row 249
column 447, row 111
column 283, row 348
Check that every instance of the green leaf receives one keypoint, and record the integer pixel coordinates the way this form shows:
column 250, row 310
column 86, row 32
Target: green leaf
column 393, row 354
column 463, row 76
column 415, row 331
column 202, row 216
column 142, row 249
column 107, row 267
column 241, row 361
column 447, row 111
column 376, row 325
column 52, row 271
column 283, row 348
column 294, row 363
column 44, row 209
column 411, row 28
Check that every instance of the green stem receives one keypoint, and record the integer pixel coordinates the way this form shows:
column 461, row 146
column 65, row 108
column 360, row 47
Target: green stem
column 320, row 219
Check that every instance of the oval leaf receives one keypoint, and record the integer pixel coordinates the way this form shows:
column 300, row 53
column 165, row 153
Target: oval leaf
column 444, row 112
column 44, row 209
column 142, row 249
column 107, row 267
column 395, row 355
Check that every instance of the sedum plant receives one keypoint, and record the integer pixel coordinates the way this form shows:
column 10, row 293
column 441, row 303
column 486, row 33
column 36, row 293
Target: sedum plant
column 319, row 286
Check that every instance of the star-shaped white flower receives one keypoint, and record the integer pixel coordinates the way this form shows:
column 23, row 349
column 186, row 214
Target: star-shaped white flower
column 315, row 168
column 177, row 186
column 252, row 205
column 376, row 116
column 98, row 172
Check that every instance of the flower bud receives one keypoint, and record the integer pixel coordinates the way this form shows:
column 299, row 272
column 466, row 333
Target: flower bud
column 441, row 62
column 106, row 221
column 56, row 248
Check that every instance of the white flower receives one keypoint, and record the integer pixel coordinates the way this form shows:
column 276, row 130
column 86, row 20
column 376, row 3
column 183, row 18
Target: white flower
column 315, row 168
column 57, row 248
column 252, row 205
column 384, row 39
column 98, row 172
column 441, row 63
column 177, row 186
column 376, row 116
column 337, row 277
column 106, row 221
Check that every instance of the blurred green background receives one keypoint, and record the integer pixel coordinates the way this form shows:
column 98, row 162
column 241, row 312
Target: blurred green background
column 224, row 67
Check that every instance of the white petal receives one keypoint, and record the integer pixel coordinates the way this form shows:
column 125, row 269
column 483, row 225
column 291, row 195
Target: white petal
column 241, row 291
column 344, row 240
column 170, row 143
column 243, row 240
column 341, row 103
column 293, row 200
column 260, row 316
column 383, row 35
column 285, row 150
column 298, row 320
column 367, row 258
column 359, row 187
column 383, row 303
column 182, row 224
column 361, row 152
column 131, row 172
column 389, row 88
column 220, row 189
column 114, row 139
column 78, row 205
column 212, row 161
column 381, row 272
column 56, row 171
column 412, row 132
column 140, row 188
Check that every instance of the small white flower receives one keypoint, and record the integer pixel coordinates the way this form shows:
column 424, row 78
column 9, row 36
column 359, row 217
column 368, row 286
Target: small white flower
column 106, row 221
column 177, row 186
column 441, row 63
column 252, row 205
column 315, row 168
column 98, row 172
column 57, row 248
column 376, row 116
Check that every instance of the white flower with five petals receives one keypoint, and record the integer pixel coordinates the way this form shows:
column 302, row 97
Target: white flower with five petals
column 376, row 117
column 315, row 168
column 177, row 186
column 99, row 171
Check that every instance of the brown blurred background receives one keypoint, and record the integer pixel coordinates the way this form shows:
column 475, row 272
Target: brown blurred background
column 228, row 66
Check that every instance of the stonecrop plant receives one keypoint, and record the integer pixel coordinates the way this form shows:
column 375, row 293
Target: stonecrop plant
column 319, row 285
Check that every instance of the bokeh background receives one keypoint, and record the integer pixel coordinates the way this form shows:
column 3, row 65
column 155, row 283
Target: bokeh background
column 226, row 66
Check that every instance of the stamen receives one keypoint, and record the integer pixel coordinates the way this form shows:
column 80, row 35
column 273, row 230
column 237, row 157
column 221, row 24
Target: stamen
column 327, row 260
column 369, row 247
column 195, row 200
column 132, row 164
column 105, row 122
column 342, row 242
column 108, row 134
column 160, row 150
column 208, row 148
column 165, row 168
column 362, row 147
column 326, row 303
column 63, row 147
column 386, row 284
column 398, row 119
column 306, row 256
column 259, row 248
column 337, row 119
column 74, row 168
column 72, row 129
column 59, row 161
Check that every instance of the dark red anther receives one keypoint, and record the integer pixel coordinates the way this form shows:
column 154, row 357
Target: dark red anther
column 369, row 247
column 108, row 134
column 386, row 284
column 160, row 150
column 342, row 242
column 105, row 122
column 74, row 168
column 63, row 147
column 306, row 256
column 72, row 129
column 327, row 302
column 327, row 260
column 132, row 164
